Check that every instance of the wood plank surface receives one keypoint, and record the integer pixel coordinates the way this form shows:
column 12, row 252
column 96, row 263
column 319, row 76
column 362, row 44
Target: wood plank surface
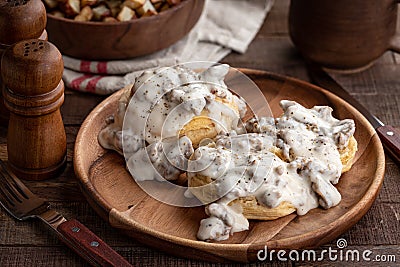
column 378, row 88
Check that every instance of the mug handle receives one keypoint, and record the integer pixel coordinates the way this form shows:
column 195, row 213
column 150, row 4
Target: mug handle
column 395, row 44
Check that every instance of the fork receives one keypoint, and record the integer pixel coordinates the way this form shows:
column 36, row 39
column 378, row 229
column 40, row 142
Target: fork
column 22, row 204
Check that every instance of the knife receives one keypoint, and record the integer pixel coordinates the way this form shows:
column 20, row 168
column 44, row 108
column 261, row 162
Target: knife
column 389, row 136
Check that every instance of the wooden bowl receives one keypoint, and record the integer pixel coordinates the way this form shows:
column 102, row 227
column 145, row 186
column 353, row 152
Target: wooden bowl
column 122, row 40
column 113, row 193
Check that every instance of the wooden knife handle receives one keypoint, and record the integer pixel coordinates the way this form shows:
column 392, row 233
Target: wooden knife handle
column 390, row 138
column 89, row 246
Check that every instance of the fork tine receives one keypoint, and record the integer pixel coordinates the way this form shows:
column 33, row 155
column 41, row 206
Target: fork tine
column 9, row 192
column 5, row 199
column 12, row 184
column 16, row 198
column 6, row 190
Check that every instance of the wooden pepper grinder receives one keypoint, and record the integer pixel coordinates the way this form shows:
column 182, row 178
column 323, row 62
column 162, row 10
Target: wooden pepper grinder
column 19, row 20
column 33, row 93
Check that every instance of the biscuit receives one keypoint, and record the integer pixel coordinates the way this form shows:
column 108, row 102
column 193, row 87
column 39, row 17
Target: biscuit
column 347, row 154
column 252, row 209
column 203, row 127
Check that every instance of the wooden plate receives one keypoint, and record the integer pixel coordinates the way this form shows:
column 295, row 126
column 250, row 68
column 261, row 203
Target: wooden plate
column 113, row 193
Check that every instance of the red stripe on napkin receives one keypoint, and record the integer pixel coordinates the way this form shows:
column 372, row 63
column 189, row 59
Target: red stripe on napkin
column 85, row 66
column 91, row 86
column 75, row 84
column 102, row 67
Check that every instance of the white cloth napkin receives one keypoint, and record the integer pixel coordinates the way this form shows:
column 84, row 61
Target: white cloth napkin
column 225, row 25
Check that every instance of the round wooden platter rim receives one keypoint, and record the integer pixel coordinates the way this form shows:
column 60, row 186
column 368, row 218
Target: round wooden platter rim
column 327, row 233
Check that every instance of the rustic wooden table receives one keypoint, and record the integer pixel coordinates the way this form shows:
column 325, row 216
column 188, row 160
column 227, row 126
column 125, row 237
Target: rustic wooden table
column 378, row 88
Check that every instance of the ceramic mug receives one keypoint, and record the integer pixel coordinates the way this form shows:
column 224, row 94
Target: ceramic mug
column 343, row 34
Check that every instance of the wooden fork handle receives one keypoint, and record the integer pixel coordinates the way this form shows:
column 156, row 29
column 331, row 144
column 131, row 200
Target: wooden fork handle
column 89, row 246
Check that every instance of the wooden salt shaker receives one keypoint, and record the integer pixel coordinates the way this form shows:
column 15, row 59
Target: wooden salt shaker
column 19, row 20
column 33, row 93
